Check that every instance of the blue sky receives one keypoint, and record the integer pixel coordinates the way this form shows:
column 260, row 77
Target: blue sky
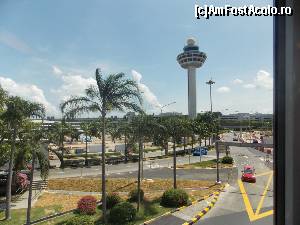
column 49, row 50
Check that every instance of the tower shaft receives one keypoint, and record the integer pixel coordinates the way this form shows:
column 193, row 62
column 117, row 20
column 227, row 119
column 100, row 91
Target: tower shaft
column 192, row 102
column 191, row 59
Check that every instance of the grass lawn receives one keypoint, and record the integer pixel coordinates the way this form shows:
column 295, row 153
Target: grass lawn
column 19, row 215
column 153, row 188
column 50, row 203
column 204, row 164
column 148, row 210
column 66, row 201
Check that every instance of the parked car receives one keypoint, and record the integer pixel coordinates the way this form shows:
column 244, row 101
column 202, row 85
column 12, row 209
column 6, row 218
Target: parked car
column 254, row 141
column 200, row 151
column 248, row 174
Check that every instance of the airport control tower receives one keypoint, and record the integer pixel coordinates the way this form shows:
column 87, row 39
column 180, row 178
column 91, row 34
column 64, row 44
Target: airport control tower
column 190, row 59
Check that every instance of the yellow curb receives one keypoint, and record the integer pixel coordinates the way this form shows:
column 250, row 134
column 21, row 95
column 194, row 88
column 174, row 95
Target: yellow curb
column 206, row 209
column 149, row 221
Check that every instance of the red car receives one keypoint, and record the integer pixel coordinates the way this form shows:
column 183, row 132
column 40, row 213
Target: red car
column 248, row 174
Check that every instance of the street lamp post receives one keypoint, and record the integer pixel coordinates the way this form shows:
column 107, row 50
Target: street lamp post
column 161, row 108
column 161, row 111
column 210, row 83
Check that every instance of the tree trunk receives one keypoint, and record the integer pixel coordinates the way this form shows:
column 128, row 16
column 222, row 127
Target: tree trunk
column 174, row 164
column 205, row 141
column 30, row 190
column 10, row 175
column 125, row 151
column 184, row 144
column 167, row 148
column 139, row 175
column 193, row 142
column 103, row 172
column 62, row 163
column 86, row 150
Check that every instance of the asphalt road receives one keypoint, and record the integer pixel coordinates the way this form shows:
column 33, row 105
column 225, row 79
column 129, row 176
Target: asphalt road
column 245, row 203
column 122, row 168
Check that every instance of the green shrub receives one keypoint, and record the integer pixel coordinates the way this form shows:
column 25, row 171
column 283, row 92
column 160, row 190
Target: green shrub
column 112, row 199
column 122, row 213
column 79, row 220
column 133, row 195
column 174, row 198
column 227, row 160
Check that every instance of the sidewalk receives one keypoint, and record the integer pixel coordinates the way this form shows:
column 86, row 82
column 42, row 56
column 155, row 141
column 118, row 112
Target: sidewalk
column 22, row 201
column 183, row 215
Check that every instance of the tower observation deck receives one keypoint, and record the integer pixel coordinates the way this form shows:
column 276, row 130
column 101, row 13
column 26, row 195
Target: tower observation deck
column 190, row 59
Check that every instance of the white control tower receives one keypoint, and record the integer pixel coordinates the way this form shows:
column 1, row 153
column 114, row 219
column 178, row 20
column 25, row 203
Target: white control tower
column 190, row 59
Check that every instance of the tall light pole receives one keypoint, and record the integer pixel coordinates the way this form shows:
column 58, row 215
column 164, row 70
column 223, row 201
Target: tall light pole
column 161, row 108
column 210, row 83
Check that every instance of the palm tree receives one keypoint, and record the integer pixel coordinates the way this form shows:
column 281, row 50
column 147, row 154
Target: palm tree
column 55, row 134
column 174, row 128
column 185, row 124
column 32, row 140
column 200, row 129
column 3, row 97
column 125, row 129
column 17, row 111
column 161, row 135
column 86, row 128
column 111, row 93
column 143, row 127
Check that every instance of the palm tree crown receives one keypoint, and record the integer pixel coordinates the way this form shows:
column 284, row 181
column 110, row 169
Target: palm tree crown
column 112, row 93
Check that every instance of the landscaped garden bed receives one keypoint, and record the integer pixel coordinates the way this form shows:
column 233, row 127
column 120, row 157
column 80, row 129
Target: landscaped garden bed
column 225, row 162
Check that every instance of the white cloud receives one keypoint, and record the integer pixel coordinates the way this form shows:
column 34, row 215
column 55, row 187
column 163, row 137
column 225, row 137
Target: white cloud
column 56, row 70
column 223, row 89
column 237, row 81
column 264, row 79
column 147, row 93
column 249, row 86
column 27, row 91
column 14, row 42
column 72, row 84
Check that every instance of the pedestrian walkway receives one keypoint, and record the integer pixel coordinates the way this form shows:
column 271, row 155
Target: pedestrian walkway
column 181, row 216
column 22, row 201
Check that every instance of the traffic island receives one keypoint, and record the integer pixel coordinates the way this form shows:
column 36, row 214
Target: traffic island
column 205, row 210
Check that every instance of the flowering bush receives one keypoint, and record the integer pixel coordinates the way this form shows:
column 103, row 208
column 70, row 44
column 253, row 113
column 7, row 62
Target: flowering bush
column 22, row 180
column 87, row 205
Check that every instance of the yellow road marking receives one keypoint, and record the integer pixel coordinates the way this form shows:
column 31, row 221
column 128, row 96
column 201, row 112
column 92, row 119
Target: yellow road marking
column 264, row 195
column 248, row 206
column 264, row 214
column 263, row 174
column 256, row 216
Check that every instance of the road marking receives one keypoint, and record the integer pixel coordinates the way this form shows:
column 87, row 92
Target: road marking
column 264, row 195
column 263, row 174
column 256, row 216
column 248, row 206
